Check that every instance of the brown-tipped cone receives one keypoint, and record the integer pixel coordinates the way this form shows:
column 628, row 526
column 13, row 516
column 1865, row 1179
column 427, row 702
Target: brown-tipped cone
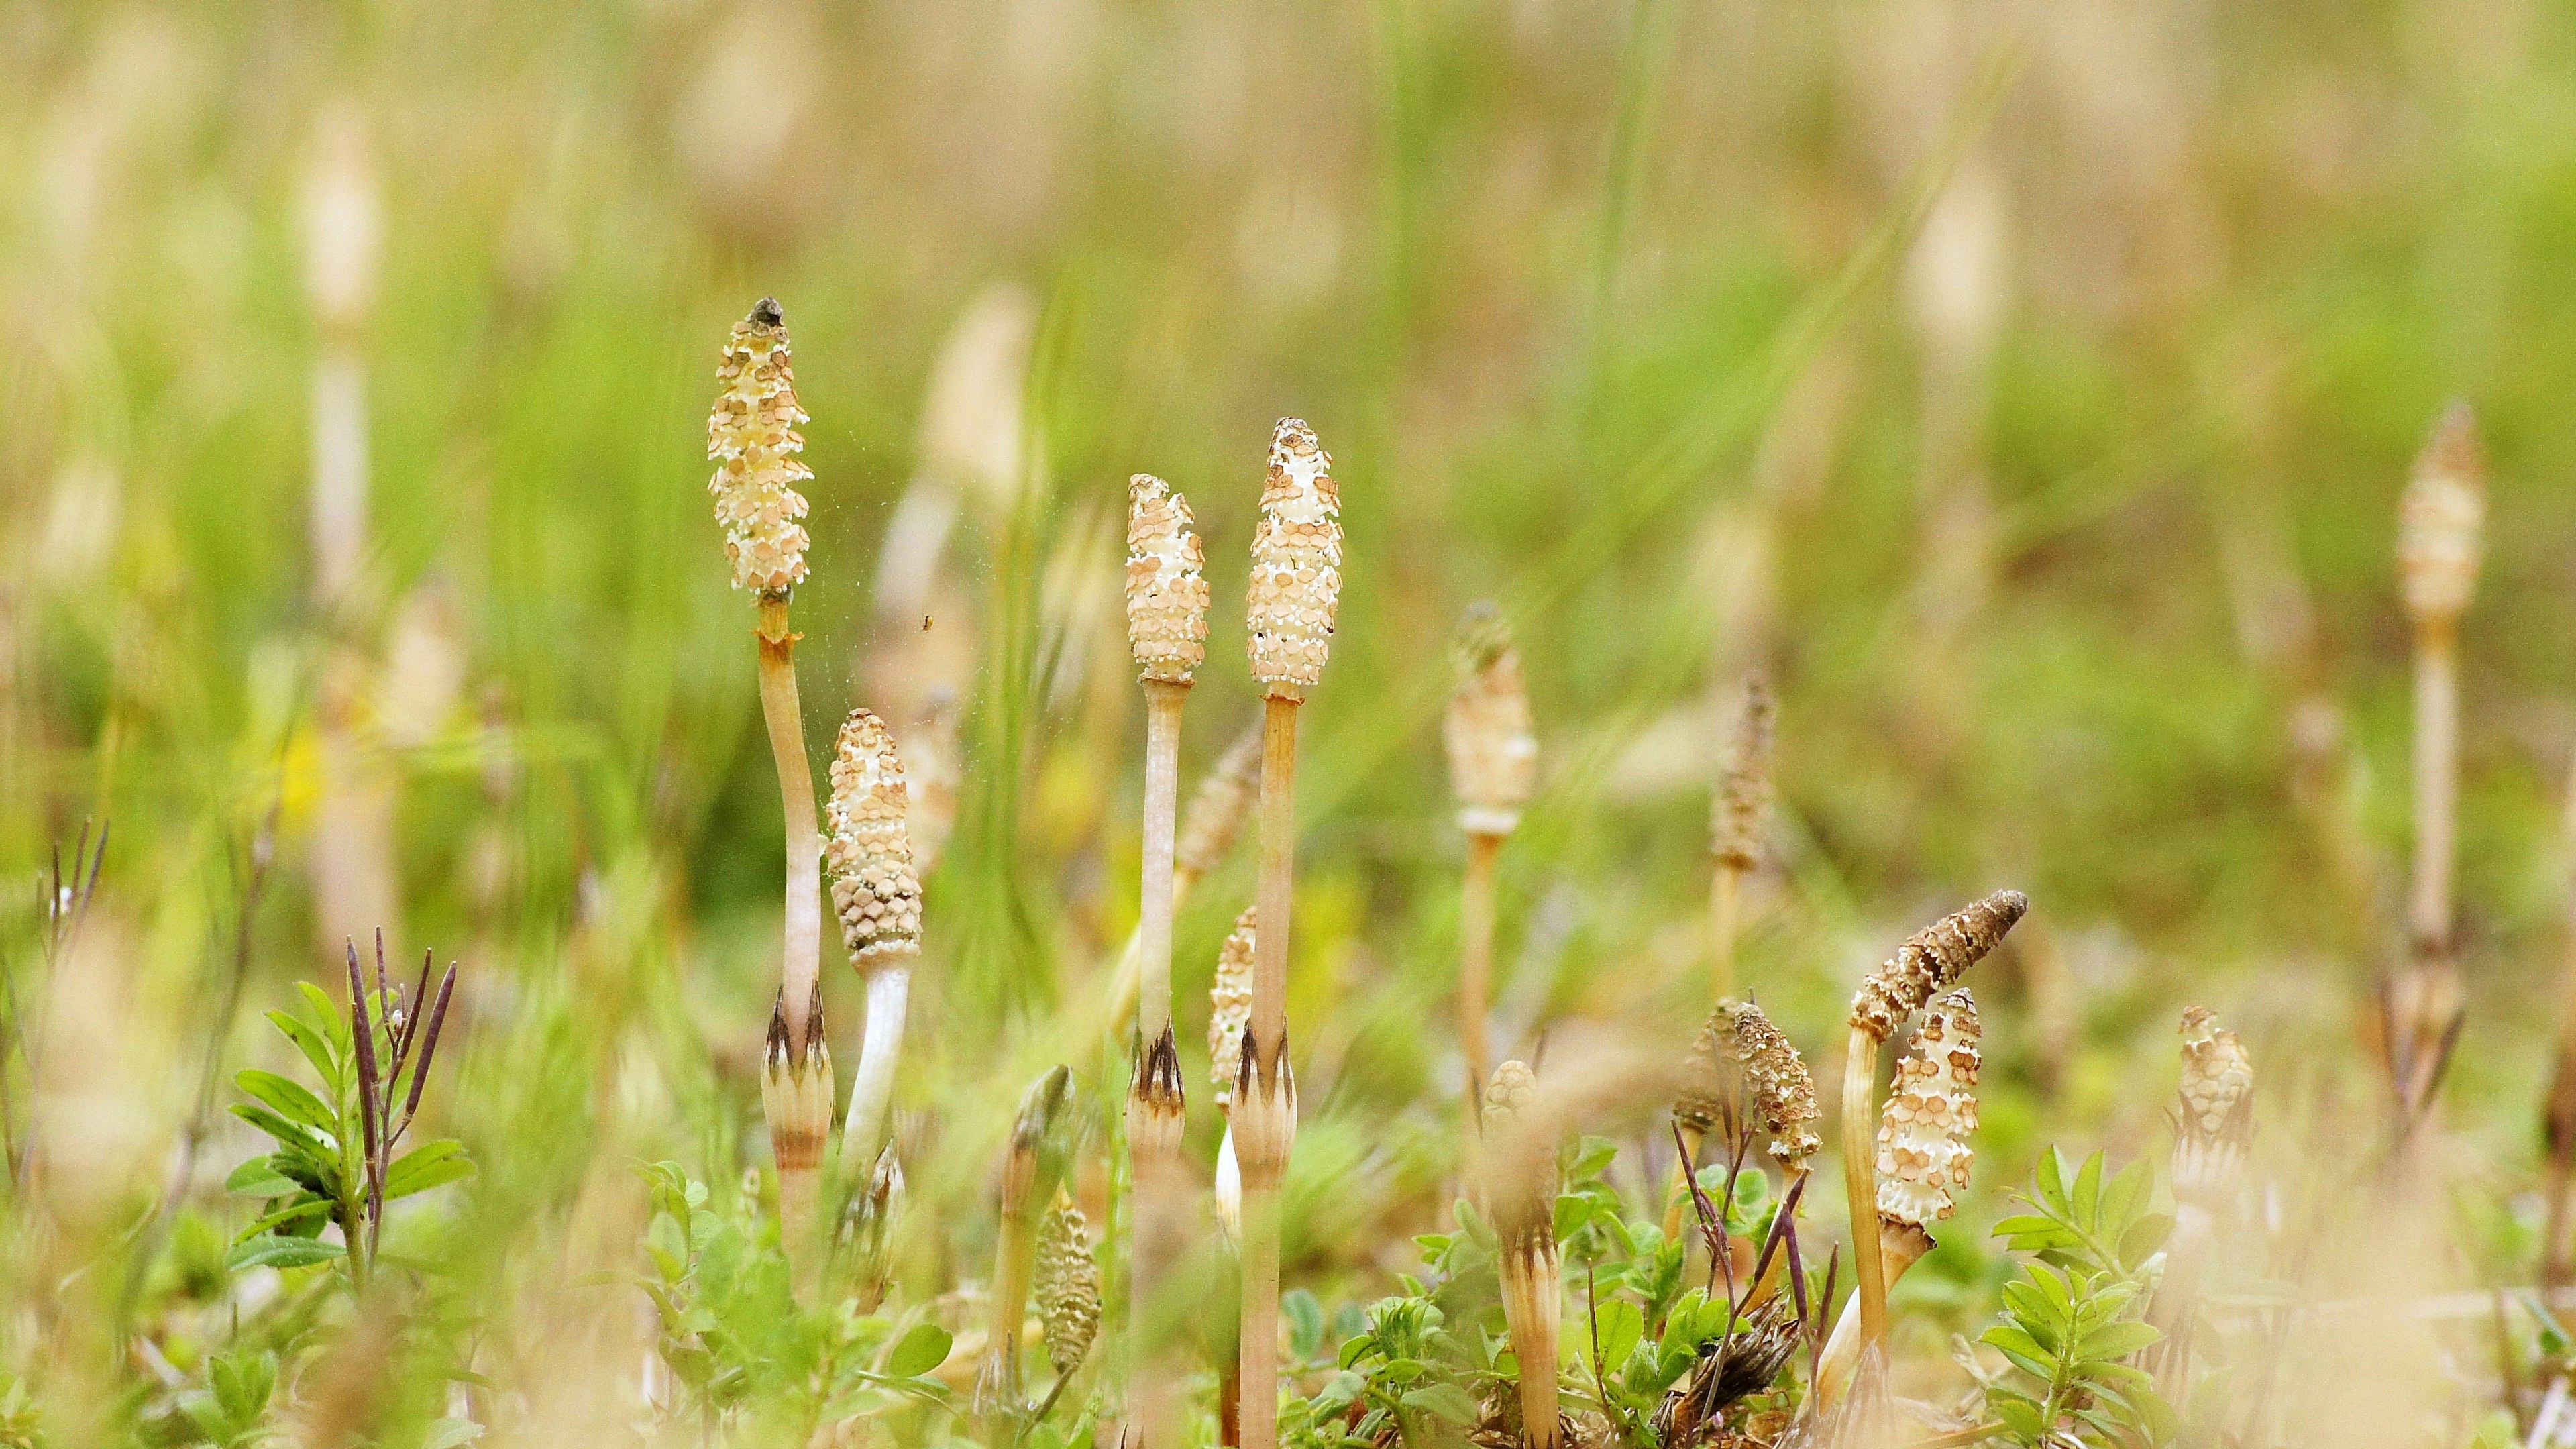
column 1493, row 747
column 1296, row 583
column 1215, row 817
column 1923, row 1149
column 1068, row 1285
column 1931, row 961
column 1167, row 591
column 1742, row 808
column 868, row 850
column 752, row 438
column 1230, row 1005
column 2440, row 522
column 1784, row 1092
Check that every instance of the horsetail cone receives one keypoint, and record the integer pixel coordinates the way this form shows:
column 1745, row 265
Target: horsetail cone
column 1167, row 591
column 1931, row 961
column 1215, row 818
column 751, row 436
column 2217, row 1107
column 1784, row 1094
column 1068, row 1285
column 1296, row 582
column 2441, row 520
column 1743, row 803
column 1230, row 1005
column 1493, row 748
column 1520, row 1162
column 868, row 852
column 1923, row 1151
column 1712, row 1073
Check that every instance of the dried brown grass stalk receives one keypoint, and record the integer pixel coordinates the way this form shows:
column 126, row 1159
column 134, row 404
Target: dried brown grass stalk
column 2441, row 520
column 1493, row 768
column 1292, row 598
column 1742, row 809
column 1929, row 961
column 752, row 438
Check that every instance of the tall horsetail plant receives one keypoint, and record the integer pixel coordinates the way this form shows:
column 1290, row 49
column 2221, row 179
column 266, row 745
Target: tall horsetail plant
column 337, row 1162
column 752, row 438
column 1493, row 767
column 1925, row 964
column 1519, row 1190
column 1739, row 814
column 877, row 895
column 2440, row 523
column 1167, row 601
column 1293, row 595
column 1922, row 1160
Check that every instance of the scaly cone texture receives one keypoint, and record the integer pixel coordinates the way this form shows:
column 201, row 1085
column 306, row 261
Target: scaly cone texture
column 1713, row 1073
column 1493, row 748
column 1230, row 1004
column 1923, row 1151
column 1784, row 1094
column 1931, row 961
column 868, row 852
column 1068, row 1285
column 751, row 435
column 1215, row 818
column 2216, row 1116
column 1520, row 1187
column 1167, row 593
column 1742, row 807
column 1296, row 582
column 2440, row 521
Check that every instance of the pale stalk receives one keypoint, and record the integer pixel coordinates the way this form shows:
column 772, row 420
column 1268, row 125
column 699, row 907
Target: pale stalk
column 1153, row 1147
column 1259, row 1393
column 1476, row 959
column 1725, row 895
column 1530, row 1293
column 2437, row 770
column 799, row 1187
column 863, row 1129
column 1898, row 1246
column 1860, row 1181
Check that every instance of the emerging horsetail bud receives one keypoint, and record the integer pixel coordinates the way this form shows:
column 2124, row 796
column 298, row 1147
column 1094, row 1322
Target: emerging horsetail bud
column 1296, row 581
column 1214, row 819
column 1743, row 804
column 1230, row 1005
column 2440, row 521
column 1923, row 1151
column 1520, row 1160
column 2217, row 1110
column 796, row 1087
column 1493, row 752
column 751, row 435
column 1167, row 594
column 1931, row 961
column 868, row 852
column 1784, row 1095
column 1068, row 1285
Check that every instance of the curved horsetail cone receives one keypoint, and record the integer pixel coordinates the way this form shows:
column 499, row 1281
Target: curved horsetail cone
column 1216, row 814
column 2441, row 519
column 1230, row 1005
column 1067, row 1284
column 1784, row 1094
column 1932, row 960
column 1493, row 748
column 1923, row 1151
column 1743, row 803
column 1296, row 581
column 1167, row 591
column 868, row 852
column 751, row 435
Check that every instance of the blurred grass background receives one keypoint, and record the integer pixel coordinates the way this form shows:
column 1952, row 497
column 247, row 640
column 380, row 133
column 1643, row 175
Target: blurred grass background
column 2026, row 387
